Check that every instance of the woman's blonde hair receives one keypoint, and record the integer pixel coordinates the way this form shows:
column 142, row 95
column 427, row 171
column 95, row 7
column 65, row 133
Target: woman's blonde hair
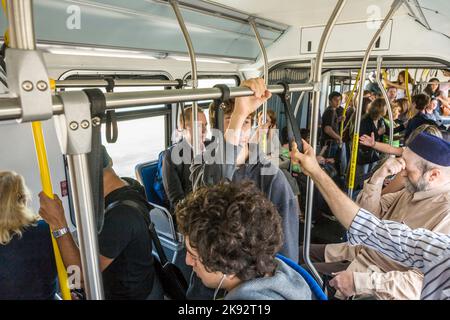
column 428, row 128
column 15, row 215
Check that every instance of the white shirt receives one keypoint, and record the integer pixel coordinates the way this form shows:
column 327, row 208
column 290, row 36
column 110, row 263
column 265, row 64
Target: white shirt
column 420, row 248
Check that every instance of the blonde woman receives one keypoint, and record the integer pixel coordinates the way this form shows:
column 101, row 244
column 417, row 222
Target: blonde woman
column 27, row 268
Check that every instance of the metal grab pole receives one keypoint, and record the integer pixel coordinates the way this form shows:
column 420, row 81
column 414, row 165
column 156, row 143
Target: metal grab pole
column 265, row 61
column 266, row 76
column 21, row 36
column 87, row 229
column 193, row 58
column 10, row 108
column 314, row 124
column 351, row 181
column 95, row 83
column 386, row 98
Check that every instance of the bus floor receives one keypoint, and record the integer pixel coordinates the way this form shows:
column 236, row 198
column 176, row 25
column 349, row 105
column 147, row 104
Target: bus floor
column 325, row 230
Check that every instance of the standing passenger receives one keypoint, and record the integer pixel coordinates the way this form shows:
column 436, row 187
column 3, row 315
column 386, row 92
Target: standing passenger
column 125, row 245
column 177, row 160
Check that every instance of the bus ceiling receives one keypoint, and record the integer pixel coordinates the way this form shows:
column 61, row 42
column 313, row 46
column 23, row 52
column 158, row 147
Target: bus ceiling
column 219, row 29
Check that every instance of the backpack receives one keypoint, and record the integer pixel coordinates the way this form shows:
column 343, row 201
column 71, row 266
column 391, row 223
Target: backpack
column 172, row 280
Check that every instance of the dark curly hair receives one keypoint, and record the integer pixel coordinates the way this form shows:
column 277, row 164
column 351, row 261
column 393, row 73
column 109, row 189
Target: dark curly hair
column 234, row 228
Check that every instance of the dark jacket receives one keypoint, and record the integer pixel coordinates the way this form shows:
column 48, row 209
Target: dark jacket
column 177, row 184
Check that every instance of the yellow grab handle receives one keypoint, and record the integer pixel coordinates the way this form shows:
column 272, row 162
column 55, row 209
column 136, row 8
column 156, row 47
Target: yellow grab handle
column 347, row 103
column 41, row 154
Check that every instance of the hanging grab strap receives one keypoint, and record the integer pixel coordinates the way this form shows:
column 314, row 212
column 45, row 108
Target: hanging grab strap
column 219, row 105
column 98, row 106
column 112, row 132
column 293, row 128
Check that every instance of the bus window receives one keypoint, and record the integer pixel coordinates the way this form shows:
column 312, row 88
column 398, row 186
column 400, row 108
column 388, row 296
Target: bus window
column 139, row 140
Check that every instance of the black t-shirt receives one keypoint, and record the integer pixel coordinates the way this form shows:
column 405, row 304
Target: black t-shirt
column 329, row 118
column 126, row 239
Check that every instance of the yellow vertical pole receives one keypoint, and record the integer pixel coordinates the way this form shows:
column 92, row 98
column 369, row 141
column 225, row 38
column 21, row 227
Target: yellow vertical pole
column 46, row 182
column 347, row 103
column 407, row 93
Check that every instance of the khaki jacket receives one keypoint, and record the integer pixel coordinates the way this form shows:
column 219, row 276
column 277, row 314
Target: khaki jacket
column 376, row 275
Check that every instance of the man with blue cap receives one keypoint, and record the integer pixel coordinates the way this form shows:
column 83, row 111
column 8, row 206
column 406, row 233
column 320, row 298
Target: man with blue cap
column 423, row 203
column 427, row 165
column 124, row 242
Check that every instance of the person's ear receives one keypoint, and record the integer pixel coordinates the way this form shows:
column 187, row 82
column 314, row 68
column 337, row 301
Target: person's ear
column 434, row 174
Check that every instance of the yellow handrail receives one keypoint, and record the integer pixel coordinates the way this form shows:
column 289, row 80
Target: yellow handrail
column 407, row 93
column 347, row 103
column 46, row 182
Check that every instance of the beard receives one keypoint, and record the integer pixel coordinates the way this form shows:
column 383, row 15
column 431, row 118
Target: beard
column 413, row 187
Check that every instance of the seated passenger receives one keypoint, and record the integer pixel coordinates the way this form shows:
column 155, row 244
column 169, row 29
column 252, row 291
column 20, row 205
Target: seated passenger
column 175, row 169
column 232, row 234
column 423, row 203
column 27, row 264
column 426, row 251
column 125, row 245
column 397, row 183
column 420, row 102
column 431, row 112
column 433, row 89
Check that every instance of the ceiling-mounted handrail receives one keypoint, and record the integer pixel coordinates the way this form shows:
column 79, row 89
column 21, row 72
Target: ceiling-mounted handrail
column 224, row 12
column 10, row 108
column 196, row 143
column 386, row 98
column 355, row 143
column 95, row 83
column 262, row 48
column 314, row 124
column 299, row 101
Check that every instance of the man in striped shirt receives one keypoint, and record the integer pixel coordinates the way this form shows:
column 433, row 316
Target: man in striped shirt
column 425, row 250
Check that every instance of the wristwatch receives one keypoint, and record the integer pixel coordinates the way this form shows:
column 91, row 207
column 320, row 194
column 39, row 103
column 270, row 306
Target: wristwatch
column 60, row 232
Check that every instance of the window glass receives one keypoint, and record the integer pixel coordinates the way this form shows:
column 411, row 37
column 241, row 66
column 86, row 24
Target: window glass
column 139, row 140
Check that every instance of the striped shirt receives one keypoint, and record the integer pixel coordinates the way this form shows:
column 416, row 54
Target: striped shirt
column 420, row 248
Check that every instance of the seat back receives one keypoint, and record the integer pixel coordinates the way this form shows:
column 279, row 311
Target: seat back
column 145, row 173
column 171, row 241
column 313, row 285
column 27, row 266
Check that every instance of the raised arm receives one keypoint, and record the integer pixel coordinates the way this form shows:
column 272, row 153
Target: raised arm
column 370, row 142
column 414, row 248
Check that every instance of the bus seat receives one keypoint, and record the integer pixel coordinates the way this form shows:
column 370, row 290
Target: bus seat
column 145, row 173
column 318, row 293
column 171, row 241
